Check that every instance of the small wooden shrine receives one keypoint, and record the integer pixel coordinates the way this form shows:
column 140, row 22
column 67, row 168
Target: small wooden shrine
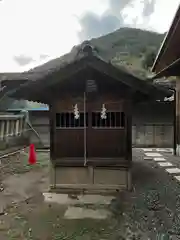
column 90, row 103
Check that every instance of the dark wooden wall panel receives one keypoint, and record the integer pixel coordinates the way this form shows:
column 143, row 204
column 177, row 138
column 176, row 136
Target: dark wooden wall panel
column 106, row 143
column 100, row 142
column 69, row 143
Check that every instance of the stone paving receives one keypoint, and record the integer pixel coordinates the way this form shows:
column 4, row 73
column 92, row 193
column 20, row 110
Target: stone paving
column 164, row 159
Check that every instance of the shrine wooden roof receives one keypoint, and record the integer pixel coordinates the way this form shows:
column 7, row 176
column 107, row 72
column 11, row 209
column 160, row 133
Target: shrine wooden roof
column 169, row 51
column 81, row 57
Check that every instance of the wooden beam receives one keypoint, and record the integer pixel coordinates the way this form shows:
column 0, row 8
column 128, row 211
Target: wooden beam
column 168, row 42
column 174, row 116
column 128, row 125
column 2, row 126
column 170, row 70
column 177, row 133
column 52, row 129
column 97, row 162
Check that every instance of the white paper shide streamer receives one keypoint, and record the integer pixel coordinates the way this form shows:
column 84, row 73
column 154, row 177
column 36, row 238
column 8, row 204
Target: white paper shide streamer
column 103, row 112
column 76, row 112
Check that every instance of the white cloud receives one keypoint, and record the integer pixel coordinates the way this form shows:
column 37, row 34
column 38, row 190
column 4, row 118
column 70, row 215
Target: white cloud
column 164, row 14
column 159, row 21
column 34, row 27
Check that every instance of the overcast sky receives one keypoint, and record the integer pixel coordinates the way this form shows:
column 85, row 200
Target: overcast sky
column 34, row 31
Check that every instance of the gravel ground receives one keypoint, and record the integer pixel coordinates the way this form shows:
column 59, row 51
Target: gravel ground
column 150, row 211
column 18, row 163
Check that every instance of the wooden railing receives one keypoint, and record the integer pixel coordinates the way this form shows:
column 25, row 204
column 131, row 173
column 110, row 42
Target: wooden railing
column 12, row 129
column 11, row 125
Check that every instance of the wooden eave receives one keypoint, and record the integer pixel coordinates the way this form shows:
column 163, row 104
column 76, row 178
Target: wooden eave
column 171, row 70
column 35, row 90
column 168, row 50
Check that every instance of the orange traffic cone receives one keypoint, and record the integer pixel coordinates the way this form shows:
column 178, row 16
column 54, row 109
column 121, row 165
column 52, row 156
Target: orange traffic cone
column 32, row 154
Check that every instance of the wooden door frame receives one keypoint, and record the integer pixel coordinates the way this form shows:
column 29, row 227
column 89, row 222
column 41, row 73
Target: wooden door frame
column 90, row 110
column 53, row 132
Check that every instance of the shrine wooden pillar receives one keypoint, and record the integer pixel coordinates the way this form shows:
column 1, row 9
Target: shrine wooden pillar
column 177, row 119
column 174, row 125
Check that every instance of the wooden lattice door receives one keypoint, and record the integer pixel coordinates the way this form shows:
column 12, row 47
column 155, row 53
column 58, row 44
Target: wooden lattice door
column 71, row 123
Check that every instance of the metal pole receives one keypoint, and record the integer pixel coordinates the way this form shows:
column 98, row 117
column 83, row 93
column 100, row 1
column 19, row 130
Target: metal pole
column 85, row 159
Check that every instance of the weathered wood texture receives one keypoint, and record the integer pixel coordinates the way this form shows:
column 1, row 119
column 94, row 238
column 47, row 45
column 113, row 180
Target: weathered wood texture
column 100, row 142
column 152, row 125
column 143, row 135
column 178, row 116
column 152, row 135
column 12, row 131
column 90, row 179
